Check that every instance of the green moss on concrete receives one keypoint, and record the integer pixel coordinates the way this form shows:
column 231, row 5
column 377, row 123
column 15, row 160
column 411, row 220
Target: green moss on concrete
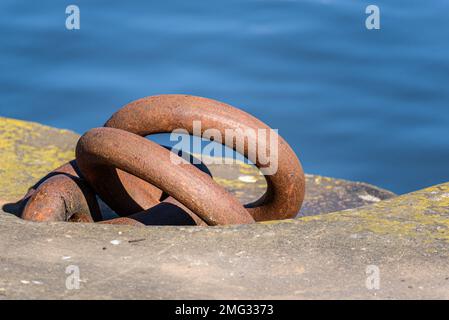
column 420, row 214
column 28, row 151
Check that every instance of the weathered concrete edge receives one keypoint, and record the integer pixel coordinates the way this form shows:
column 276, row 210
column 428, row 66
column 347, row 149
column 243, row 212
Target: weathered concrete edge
column 307, row 258
column 398, row 216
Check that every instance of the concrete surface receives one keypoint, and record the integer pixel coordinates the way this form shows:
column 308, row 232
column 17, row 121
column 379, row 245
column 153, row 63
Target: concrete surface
column 330, row 256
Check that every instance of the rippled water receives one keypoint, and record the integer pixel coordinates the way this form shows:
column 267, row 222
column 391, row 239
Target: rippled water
column 353, row 103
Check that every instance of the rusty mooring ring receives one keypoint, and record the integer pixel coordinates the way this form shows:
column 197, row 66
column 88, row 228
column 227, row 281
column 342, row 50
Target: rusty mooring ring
column 62, row 192
column 165, row 113
column 101, row 150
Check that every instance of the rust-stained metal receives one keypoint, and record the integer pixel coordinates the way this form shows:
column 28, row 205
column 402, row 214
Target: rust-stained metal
column 165, row 113
column 101, row 150
column 62, row 198
column 130, row 173
column 63, row 191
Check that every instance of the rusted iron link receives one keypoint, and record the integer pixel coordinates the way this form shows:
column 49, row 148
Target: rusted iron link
column 63, row 195
column 62, row 198
column 101, row 150
column 165, row 113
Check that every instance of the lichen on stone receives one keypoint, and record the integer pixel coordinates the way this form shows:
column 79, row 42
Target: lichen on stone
column 28, row 151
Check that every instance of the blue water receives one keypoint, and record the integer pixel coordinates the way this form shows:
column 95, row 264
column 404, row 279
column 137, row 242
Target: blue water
column 368, row 105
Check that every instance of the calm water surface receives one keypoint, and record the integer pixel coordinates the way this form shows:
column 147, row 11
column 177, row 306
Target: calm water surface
column 356, row 104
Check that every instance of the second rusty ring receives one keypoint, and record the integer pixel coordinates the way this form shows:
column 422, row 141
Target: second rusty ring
column 101, row 151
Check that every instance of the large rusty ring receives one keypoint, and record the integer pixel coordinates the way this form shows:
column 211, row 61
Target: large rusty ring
column 102, row 152
column 165, row 113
